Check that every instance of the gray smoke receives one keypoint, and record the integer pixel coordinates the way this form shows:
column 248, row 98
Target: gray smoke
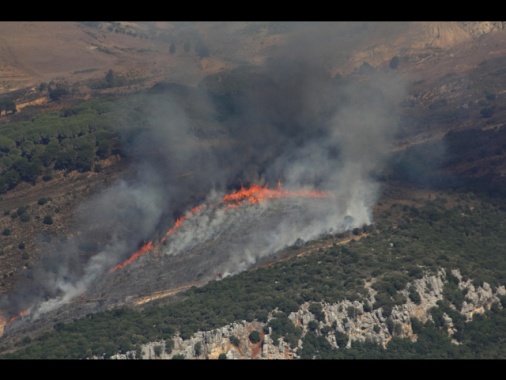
column 343, row 158
column 289, row 120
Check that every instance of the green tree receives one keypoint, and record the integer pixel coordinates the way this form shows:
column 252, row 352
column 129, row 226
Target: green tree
column 157, row 350
column 234, row 340
column 42, row 201
column 6, row 144
column 312, row 325
column 24, row 217
column 11, row 178
column 487, row 112
column 198, row 349
column 104, row 144
column 8, row 106
column 57, row 93
column 254, row 337
column 394, row 62
column 316, row 347
column 202, row 50
column 28, row 171
column 110, row 79
column 316, row 309
column 414, row 296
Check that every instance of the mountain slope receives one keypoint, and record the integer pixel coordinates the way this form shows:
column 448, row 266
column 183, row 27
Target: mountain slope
column 284, row 116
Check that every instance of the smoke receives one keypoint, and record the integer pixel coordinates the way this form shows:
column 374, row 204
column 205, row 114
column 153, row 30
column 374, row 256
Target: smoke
column 288, row 119
column 294, row 122
column 341, row 152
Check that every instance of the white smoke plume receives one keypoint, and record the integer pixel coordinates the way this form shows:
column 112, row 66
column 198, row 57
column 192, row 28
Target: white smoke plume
column 301, row 126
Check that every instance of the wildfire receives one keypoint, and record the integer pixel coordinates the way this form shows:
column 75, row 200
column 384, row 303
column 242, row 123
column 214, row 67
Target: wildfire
column 180, row 221
column 253, row 194
column 177, row 224
column 4, row 322
column 256, row 194
column 146, row 247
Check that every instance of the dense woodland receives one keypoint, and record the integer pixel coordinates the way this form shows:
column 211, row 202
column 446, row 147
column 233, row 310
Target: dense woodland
column 72, row 139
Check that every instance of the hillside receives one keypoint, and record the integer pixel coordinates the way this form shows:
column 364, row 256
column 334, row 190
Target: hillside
column 164, row 158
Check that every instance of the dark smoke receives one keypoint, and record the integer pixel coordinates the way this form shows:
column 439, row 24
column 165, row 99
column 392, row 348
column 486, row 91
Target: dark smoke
column 289, row 119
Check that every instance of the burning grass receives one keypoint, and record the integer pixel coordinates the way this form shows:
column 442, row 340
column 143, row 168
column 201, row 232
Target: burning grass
column 254, row 194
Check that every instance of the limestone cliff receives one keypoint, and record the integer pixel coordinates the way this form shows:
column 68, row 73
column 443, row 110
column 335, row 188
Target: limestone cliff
column 418, row 44
column 347, row 317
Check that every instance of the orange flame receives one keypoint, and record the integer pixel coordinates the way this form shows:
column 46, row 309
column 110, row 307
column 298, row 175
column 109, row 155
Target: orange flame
column 254, row 194
column 180, row 221
column 146, row 247
column 177, row 224
column 4, row 322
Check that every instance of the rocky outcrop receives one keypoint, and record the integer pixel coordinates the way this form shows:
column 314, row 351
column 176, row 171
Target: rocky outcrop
column 353, row 318
column 418, row 43
column 477, row 29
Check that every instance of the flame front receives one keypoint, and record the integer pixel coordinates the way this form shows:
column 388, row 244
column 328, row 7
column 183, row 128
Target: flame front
column 254, row 194
column 146, row 247
column 4, row 321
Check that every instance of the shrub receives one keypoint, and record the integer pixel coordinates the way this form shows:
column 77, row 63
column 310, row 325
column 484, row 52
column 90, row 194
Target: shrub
column 6, row 232
column 394, row 62
column 312, row 325
column 487, row 112
column 490, row 95
column 316, row 309
column 24, row 217
column 21, row 210
column 42, row 201
column 57, row 93
column 48, row 219
column 414, row 296
column 254, row 337
column 341, row 339
column 234, row 340
column 198, row 349
column 157, row 350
